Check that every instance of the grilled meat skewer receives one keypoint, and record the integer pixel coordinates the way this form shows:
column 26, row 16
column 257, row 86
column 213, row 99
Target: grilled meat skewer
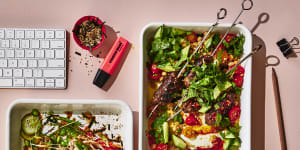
column 170, row 84
column 224, row 107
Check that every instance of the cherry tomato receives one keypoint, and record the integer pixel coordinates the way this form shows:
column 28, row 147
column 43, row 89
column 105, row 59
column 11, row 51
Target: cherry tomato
column 191, row 120
column 229, row 37
column 154, row 69
column 238, row 80
column 192, row 37
column 161, row 146
column 154, row 76
column 234, row 113
column 239, row 70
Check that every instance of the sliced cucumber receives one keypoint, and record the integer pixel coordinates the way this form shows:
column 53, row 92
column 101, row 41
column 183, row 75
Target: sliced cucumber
column 236, row 142
column 178, row 142
column 204, row 108
column 31, row 124
column 25, row 136
column 165, row 132
column 226, row 144
column 229, row 135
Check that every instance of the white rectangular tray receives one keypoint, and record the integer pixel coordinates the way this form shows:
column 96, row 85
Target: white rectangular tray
column 245, row 119
column 19, row 108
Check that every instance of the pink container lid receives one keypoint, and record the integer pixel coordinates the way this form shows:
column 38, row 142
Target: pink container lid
column 82, row 19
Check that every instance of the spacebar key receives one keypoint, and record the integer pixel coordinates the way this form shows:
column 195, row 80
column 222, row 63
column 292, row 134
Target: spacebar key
column 54, row 73
column 5, row 82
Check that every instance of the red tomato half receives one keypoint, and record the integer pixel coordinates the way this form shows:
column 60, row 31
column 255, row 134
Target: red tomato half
column 238, row 80
column 239, row 70
column 192, row 37
column 154, row 69
column 234, row 113
column 191, row 120
column 229, row 37
column 161, row 146
column 154, row 76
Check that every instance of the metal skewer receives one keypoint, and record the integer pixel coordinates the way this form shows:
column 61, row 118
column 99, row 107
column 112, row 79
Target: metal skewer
column 244, row 7
column 220, row 15
column 256, row 49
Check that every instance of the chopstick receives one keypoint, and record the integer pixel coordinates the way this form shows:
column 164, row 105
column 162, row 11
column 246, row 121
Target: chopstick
column 279, row 110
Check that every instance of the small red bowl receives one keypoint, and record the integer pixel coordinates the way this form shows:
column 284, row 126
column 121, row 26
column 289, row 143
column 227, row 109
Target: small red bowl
column 82, row 20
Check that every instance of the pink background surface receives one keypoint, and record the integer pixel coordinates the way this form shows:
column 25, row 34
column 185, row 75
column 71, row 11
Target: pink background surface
column 130, row 16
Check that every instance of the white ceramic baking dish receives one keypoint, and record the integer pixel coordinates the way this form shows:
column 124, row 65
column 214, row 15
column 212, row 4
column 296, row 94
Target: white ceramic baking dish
column 245, row 119
column 97, row 107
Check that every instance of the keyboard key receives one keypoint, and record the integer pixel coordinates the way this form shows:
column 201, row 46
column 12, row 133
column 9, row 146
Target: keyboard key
column 60, row 34
column 49, row 53
column 22, row 63
column 40, row 82
column 20, row 34
column 19, row 82
column 5, row 43
column 24, row 43
column 20, row 53
column 3, row 63
column 54, row 73
column 57, row 44
column 29, row 34
column 56, row 63
column 0, row 72
column 12, row 63
column 32, row 63
column 29, row 53
column 59, row 54
column 49, row 85
column 39, row 34
column 7, row 72
column 29, row 82
column 27, row 73
column 1, row 34
column 37, row 73
column 1, row 53
column 39, row 54
column 18, row 73
column 10, row 53
column 35, row 43
column 42, row 63
column 59, row 83
column 45, row 44
column 5, row 82
column 9, row 34
column 49, row 34
column 50, row 80
column 15, row 44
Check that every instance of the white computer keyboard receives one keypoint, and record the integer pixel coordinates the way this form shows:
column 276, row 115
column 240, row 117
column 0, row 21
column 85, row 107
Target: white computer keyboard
column 32, row 58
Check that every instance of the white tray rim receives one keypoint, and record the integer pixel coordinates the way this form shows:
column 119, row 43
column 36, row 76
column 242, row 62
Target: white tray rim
column 70, row 101
column 246, row 106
